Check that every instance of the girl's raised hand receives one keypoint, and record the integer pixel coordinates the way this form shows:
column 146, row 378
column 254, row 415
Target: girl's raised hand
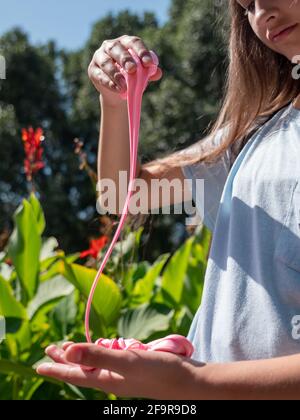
column 104, row 73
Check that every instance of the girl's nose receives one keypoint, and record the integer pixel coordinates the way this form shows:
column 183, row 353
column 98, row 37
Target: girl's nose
column 265, row 15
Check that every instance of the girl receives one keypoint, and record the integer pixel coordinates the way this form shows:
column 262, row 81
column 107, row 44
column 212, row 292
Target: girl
column 245, row 333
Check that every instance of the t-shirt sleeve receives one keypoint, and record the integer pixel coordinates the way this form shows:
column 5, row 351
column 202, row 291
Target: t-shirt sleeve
column 214, row 176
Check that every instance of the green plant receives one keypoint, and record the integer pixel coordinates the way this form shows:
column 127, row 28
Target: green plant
column 43, row 294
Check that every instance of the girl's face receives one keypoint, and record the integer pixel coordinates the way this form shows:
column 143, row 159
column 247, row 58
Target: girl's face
column 268, row 17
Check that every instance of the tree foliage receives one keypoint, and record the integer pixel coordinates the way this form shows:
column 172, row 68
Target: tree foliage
column 50, row 88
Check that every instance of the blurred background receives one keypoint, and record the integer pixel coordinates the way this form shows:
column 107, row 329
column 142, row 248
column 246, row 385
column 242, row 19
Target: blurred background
column 47, row 47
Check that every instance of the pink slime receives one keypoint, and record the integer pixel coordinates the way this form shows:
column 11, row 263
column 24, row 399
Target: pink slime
column 136, row 85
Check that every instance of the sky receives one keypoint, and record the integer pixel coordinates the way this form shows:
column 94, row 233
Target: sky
column 69, row 22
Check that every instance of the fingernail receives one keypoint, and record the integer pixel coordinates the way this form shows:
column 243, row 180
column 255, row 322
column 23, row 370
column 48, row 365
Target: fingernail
column 74, row 356
column 88, row 369
column 44, row 368
column 50, row 348
column 129, row 65
column 147, row 59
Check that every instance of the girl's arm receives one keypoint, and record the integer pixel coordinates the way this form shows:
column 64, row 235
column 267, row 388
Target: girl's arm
column 161, row 375
column 114, row 157
column 114, row 154
column 271, row 379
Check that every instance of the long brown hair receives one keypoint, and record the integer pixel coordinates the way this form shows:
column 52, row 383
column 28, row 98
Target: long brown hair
column 258, row 83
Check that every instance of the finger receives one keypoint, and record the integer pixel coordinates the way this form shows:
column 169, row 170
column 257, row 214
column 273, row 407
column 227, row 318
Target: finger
column 119, row 54
column 68, row 373
column 157, row 76
column 139, row 47
column 67, row 344
column 103, row 61
column 100, row 358
column 104, row 380
column 101, row 80
column 56, row 354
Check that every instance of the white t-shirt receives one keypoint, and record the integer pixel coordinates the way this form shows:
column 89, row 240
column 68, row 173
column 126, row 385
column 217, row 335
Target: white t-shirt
column 250, row 307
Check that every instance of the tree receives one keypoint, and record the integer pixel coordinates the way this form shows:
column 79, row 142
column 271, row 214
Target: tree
column 50, row 88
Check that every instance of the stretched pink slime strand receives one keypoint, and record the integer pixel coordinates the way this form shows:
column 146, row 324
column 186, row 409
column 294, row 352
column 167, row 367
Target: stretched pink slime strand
column 136, row 85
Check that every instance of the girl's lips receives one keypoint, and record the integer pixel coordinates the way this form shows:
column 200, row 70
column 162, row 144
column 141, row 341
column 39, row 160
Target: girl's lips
column 284, row 33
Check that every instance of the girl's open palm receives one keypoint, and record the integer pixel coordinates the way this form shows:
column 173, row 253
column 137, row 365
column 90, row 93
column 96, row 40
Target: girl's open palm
column 129, row 373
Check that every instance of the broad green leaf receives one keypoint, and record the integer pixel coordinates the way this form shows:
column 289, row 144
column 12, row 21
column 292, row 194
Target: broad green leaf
column 24, row 248
column 143, row 289
column 107, row 299
column 183, row 320
column 124, row 248
column 193, row 287
column 133, row 273
column 73, row 257
column 9, row 306
column 52, row 266
column 63, row 316
column 76, row 391
column 97, row 324
column 138, row 236
column 48, row 268
column 23, row 337
column 142, row 322
column 127, row 280
column 38, row 212
column 140, row 271
column 48, row 248
column 9, row 367
column 49, row 292
column 203, row 240
column 174, row 274
column 30, row 388
column 6, row 388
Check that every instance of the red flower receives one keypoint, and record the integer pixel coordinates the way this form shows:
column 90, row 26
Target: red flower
column 32, row 140
column 95, row 247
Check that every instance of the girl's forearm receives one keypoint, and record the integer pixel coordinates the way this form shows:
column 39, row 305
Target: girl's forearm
column 271, row 379
column 114, row 152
